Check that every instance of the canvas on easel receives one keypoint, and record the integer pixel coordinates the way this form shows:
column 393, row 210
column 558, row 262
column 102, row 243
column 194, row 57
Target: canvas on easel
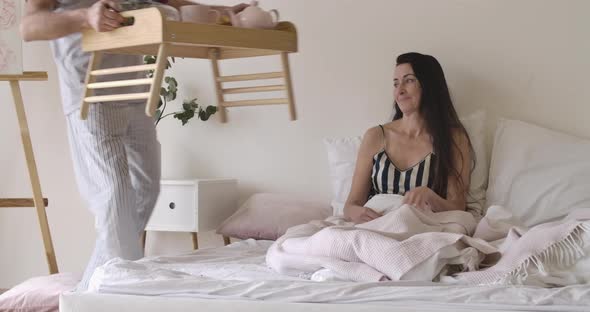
column 11, row 59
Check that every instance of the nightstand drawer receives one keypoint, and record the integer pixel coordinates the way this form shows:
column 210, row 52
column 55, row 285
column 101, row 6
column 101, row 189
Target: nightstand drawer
column 193, row 205
column 175, row 209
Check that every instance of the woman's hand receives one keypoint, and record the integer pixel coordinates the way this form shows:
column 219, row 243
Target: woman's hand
column 102, row 16
column 421, row 197
column 359, row 214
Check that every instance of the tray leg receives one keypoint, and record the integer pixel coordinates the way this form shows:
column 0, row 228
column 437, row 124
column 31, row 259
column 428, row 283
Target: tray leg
column 95, row 60
column 34, row 176
column 214, row 57
column 289, row 85
column 162, row 58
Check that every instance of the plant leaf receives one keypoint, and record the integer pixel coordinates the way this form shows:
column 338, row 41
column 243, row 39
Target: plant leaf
column 187, row 107
column 149, row 59
column 203, row 115
column 169, row 96
column 184, row 116
column 211, row 109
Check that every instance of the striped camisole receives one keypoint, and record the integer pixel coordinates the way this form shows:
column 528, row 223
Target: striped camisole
column 388, row 179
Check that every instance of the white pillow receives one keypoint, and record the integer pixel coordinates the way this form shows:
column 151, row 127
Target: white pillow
column 342, row 154
column 537, row 173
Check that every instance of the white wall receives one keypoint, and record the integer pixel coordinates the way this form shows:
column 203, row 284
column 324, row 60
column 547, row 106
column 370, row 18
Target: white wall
column 525, row 59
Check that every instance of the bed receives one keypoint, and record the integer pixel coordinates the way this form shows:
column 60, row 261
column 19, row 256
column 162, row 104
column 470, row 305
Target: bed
column 252, row 285
column 544, row 243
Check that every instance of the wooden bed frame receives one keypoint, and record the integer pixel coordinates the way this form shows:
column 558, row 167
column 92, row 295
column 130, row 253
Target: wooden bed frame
column 151, row 34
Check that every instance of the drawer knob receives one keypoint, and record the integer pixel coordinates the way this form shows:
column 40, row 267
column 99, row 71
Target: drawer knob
column 172, row 205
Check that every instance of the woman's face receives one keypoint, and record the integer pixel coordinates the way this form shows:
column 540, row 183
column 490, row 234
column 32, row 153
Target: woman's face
column 407, row 90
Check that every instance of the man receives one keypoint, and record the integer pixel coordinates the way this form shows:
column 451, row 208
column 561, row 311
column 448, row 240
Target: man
column 115, row 151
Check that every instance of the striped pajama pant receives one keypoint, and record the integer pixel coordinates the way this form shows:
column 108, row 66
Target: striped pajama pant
column 116, row 158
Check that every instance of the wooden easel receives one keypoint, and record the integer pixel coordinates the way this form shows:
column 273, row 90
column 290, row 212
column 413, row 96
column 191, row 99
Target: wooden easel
column 37, row 201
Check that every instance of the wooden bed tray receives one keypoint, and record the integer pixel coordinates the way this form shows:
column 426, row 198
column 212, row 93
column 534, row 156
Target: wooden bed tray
column 151, row 34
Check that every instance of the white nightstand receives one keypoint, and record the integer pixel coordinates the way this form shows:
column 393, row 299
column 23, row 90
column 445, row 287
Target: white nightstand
column 193, row 206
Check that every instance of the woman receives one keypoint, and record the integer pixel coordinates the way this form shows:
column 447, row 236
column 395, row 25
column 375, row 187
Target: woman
column 424, row 154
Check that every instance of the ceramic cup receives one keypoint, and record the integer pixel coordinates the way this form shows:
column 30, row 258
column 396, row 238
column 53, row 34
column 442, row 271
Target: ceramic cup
column 198, row 13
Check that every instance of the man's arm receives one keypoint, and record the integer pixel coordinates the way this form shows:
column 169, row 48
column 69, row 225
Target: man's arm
column 40, row 22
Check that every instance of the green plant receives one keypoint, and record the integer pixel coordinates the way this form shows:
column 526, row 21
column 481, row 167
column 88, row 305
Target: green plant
column 190, row 107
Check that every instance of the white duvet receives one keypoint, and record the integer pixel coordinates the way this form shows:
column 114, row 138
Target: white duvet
column 409, row 244
column 403, row 244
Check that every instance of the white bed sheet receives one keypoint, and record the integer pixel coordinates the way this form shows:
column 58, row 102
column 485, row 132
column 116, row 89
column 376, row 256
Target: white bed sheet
column 238, row 272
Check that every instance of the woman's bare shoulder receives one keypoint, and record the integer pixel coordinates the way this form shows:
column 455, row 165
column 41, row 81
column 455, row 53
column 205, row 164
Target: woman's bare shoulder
column 372, row 140
column 373, row 134
column 377, row 132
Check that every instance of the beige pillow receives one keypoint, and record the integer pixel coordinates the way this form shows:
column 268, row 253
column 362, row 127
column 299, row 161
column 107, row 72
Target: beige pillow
column 38, row 294
column 268, row 216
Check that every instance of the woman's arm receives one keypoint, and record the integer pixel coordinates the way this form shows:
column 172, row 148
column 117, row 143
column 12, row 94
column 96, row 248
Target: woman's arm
column 40, row 22
column 425, row 198
column 361, row 180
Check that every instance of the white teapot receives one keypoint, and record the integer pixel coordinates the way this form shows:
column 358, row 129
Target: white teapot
column 254, row 17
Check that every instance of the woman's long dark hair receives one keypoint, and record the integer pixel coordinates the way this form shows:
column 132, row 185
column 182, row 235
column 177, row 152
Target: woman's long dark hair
column 436, row 107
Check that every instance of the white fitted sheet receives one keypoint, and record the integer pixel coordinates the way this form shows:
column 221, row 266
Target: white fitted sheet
column 238, row 272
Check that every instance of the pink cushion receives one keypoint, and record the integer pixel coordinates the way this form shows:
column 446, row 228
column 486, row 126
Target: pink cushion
column 38, row 294
column 268, row 216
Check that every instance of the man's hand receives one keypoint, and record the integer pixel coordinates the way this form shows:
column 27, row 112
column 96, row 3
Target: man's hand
column 102, row 16
column 420, row 197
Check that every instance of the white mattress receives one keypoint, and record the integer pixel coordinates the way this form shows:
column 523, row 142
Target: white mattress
column 237, row 273
column 91, row 302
